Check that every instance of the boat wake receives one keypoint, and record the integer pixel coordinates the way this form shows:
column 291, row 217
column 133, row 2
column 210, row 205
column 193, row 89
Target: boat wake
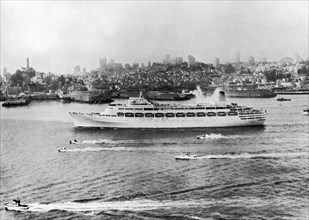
column 255, row 155
column 95, row 149
column 210, row 136
column 130, row 205
column 101, row 141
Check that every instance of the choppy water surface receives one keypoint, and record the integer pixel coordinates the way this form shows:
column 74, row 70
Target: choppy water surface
column 241, row 173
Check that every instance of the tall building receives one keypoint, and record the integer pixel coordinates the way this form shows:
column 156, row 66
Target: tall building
column 84, row 70
column 27, row 63
column 251, row 61
column 237, row 57
column 191, row 60
column 111, row 64
column 167, row 59
column 77, row 69
column 103, row 63
column 216, row 62
column 263, row 60
column 178, row 60
column 5, row 71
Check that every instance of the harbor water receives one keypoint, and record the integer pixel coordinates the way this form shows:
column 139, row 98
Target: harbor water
column 242, row 173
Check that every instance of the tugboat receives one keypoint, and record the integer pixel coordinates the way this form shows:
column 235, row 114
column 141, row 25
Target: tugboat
column 15, row 206
column 19, row 101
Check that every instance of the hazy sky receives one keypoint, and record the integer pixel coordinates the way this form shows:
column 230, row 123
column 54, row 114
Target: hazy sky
column 58, row 35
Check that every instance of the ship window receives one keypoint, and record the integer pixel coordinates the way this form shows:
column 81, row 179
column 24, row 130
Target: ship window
column 129, row 108
column 156, row 109
column 139, row 115
column 232, row 113
column 129, row 114
column 121, row 108
column 210, row 108
column 138, row 109
column 210, row 114
column 221, row 114
column 170, row 115
column 149, row 115
column 190, row 114
column 201, row 114
column 159, row 115
column 148, row 109
column 180, row 114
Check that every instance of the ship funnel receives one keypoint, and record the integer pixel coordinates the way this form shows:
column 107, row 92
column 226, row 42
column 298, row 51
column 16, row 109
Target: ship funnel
column 218, row 96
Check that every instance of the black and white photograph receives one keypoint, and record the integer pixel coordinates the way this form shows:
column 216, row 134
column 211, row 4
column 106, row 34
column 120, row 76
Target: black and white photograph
column 154, row 110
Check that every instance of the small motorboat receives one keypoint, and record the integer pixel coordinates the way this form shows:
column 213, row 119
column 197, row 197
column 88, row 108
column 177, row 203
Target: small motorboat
column 306, row 111
column 283, row 99
column 63, row 149
column 75, row 142
column 201, row 136
column 212, row 136
column 186, row 156
column 15, row 206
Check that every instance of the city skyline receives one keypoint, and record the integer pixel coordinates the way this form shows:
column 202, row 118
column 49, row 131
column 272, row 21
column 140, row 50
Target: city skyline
column 57, row 36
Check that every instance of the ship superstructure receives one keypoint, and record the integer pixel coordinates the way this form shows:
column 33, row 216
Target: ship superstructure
column 142, row 113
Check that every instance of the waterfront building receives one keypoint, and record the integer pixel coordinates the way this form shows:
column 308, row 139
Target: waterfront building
column 191, row 60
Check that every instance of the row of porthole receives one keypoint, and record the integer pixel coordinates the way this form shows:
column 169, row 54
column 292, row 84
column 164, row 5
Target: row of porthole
column 169, row 115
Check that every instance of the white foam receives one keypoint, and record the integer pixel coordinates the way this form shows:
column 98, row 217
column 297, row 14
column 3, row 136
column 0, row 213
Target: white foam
column 212, row 136
column 252, row 156
column 93, row 207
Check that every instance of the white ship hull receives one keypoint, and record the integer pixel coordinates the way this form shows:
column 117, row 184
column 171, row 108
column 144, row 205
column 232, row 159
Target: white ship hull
column 97, row 121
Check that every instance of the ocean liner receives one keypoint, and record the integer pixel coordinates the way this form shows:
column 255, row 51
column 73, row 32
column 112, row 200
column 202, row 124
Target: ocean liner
column 142, row 113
